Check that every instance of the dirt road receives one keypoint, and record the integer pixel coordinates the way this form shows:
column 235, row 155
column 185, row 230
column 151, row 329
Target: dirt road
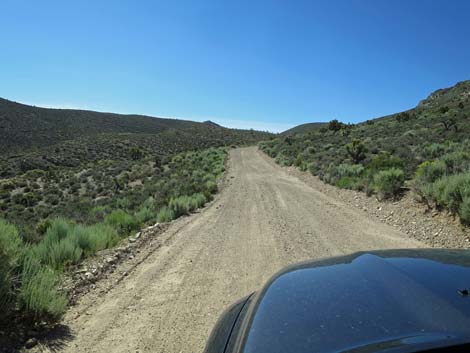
column 263, row 220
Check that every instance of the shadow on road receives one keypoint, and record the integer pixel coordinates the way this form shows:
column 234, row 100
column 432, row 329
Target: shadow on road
column 52, row 340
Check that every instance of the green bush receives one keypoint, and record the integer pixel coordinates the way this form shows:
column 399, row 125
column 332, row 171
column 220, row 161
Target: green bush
column 11, row 247
column 122, row 221
column 464, row 211
column 98, row 213
column 144, row 215
column 38, row 295
column 66, row 243
column 211, row 186
column 356, row 150
column 200, row 199
column 182, row 205
column 387, row 183
column 456, row 162
column 349, row 183
column 383, row 161
column 429, row 172
column 346, row 176
column 166, row 214
column 452, row 193
column 43, row 225
column 434, row 150
column 102, row 236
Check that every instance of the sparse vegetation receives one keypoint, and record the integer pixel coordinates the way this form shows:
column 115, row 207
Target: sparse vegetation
column 83, row 198
column 426, row 148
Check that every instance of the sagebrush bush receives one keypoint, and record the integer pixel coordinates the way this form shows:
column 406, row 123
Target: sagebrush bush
column 122, row 221
column 456, row 162
column 346, row 176
column 102, row 236
column 165, row 214
column 144, row 215
column 464, row 210
column 39, row 296
column 428, row 172
column 211, row 186
column 387, row 183
column 66, row 243
column 452, row 192
column 383, row 161
column 11, row 248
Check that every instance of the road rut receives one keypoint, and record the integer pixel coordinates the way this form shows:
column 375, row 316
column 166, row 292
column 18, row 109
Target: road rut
column 262, row 220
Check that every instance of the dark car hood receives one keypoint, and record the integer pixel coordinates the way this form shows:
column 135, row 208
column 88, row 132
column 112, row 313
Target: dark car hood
column 366, row 302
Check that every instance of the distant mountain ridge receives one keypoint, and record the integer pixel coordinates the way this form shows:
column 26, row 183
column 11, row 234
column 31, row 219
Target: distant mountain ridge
column 304, row 128
column 24, row 127
column 441, row 97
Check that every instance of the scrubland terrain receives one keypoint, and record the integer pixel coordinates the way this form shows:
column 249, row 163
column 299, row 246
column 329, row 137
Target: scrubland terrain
column 81, row 186
column 262, row 220
column 73, row 183
column 425, row 149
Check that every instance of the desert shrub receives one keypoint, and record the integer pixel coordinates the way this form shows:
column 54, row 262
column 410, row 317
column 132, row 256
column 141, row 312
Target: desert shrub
column 39, row 296
column 312, row 168
column 387, row 183
column 58, row 230
column 346, row 176
column 456, row 162
column 64, row 253
column 429, row 172
column 150, row 203
column 283, row 161
column 335, row 125
column 355, row 170
column 383, row 161
column 102, row 236
column 144, row 215
column 7, row 186
column 464, row 210
column 211, row 186
column 98, row 213
column 452, row 192
column 66, row 243
column 180, row 205
column 43, row 225
column 11, row 247
column 57, row 254
column 200, row 199
column 185, row 204
column 434, row 150
column 349, row 183
column 356, row 150
column 123, row 203
column 122, row 221
column 165, row 214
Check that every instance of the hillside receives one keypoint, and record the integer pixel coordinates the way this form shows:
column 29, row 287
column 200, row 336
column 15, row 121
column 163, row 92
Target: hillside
column 43, row 138
column 304, row 128
column 426, row 148
column 74, row 182
column 61, row 162
column 26, row 127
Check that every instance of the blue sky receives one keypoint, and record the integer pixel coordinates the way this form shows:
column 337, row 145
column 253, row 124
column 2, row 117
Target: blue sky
column 261, row 64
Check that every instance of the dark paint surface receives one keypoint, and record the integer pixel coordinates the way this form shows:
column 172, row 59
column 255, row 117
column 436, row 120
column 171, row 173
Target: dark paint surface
column 364, row 303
